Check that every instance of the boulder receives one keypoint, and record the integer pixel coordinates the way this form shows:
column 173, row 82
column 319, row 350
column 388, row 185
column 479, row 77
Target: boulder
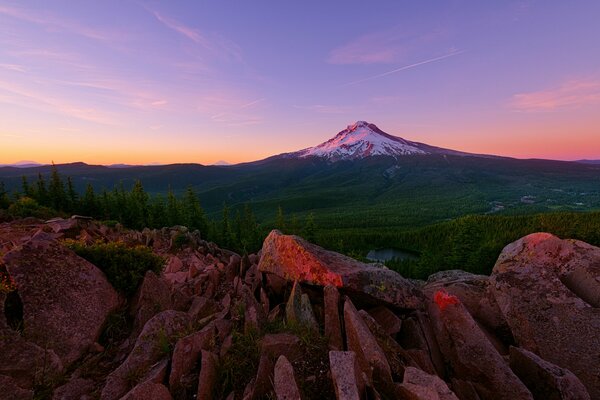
column 299, row 311
column 12, row 391
column 148, row 391
column 544, row 379
column 207, row 379
column 470, row 354
column 547, row 316
column 276, row 344
column 25, row 362
column 152, row 297
column 284, row 383
column 186, row 355
column 75, row 389
column 416, row 381
column 293, row 258
column 333, row 326
column 371, row 357
column 346, row 375
column 65, row 298
column 387, row 319
column 153, row 345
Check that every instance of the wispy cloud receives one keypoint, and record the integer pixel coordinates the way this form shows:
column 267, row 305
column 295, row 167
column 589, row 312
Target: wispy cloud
column 404, row 68
column 216, row 43
column 13, row 67
column 571, row 94
column 325, row 109
column 383, row 47
column 252, row 103
column 58, row 23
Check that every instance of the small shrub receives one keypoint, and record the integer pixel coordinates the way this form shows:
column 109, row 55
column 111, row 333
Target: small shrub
column 124, row 266
column 28, row 207
column 180, row 240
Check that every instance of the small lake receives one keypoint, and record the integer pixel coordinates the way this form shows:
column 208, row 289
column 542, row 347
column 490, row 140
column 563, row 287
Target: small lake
column 388, row 254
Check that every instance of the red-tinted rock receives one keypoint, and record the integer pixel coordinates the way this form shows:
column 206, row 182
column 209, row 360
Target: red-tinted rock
column 185, row 356
column 470, row 354
column 152, row 297
column 75, row 389
column 346, row 375
column 65, row 298
column 208, row 376
column 277, row 344
column 151, row 346
column 284, row 382
column 10, row 390
column 387, row 319
column 544, row 379
column 148, row 391
column 414, row 379
column 370, row 357
column 545, row 316
column 299, row 311
column 333, row 326
column 293, row 258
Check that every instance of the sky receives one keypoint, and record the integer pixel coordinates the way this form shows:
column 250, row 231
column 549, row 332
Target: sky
column 143, row 82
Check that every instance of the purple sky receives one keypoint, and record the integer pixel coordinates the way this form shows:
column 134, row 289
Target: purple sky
column 201, row 81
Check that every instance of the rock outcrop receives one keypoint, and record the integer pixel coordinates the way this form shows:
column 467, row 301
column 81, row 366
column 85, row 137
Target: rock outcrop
column 65, row 298
column 296, row 322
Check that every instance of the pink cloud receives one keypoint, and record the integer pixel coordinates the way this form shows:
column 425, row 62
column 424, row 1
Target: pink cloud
column 383, row 47
column 571, row 94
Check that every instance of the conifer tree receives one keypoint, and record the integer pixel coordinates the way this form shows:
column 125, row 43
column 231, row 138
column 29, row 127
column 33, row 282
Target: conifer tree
column 138, row 206
column 41, row 192
column 193, row 214
column 57, row 190
column 173, row 210
column 280, row 221
column 310, row 228
column 72, row 197
column 25, row 188
column 4, row 199
column 89, row 205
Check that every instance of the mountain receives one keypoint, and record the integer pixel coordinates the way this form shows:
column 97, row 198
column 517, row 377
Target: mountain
column 22, row 164
column 363, row 139
column 594, row 162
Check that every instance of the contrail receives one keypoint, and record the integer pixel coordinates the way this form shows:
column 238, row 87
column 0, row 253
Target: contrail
column 404, row 68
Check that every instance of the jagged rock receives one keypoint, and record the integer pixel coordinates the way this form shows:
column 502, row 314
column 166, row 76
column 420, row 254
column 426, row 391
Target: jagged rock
column 470, row 354
column 185, row 356
column 152, row 297
column 544, row 379
column 253, row 278
column 284, row 382
column 272, row 347
column 25, row 362
column 420, row 385
column 264, row 301
column 298, row 309
column 207, row 378
column 346, row 375
column 584, row 281
column 151, row 346
column 546, row 316
column 333, row 326
column 174, row 264
column 148, row 391
column 397, row 357
column 65, row 298
column 371, row 357
column 276, row 284
column 10, row 390
column 293, row 258
column 464, row 390
column 75, row 389
column 387, row 319
column 201, row 307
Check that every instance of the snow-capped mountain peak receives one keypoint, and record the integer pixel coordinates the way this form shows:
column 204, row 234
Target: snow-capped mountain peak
column 361, row 140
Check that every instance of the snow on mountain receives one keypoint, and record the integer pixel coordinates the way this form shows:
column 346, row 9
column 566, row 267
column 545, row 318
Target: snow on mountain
column 360, row 140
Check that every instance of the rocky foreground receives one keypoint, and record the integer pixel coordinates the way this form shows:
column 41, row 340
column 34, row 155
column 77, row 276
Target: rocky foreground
column 294, row 321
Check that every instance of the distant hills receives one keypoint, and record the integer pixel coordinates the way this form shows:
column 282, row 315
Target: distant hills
column 362, row 177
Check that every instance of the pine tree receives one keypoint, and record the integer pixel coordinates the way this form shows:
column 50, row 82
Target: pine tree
column 138, row 207
column 4, row 199
column 173, row 209
column 57, row 190
column 25, row 188
column 193, row 214
column 41, row 193
column 280, row 221
column 225, row 227
column 89, row 205
column 72, row 197
column 158, row 212
column 310, row 228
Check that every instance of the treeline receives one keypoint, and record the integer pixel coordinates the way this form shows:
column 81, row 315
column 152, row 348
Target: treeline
column 471, row 243
column 236, row 229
